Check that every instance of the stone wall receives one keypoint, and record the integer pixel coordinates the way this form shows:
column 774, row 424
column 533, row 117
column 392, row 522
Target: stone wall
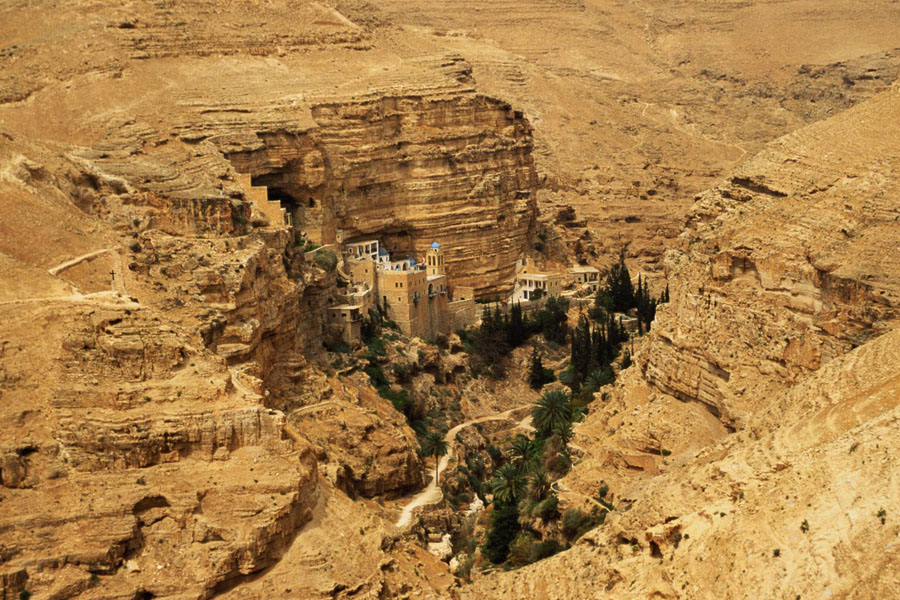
column 461, row 314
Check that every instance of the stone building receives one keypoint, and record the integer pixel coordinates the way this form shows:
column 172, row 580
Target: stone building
column 532, row 284
column 417, row 296
column 258, row 197
column 344, row 322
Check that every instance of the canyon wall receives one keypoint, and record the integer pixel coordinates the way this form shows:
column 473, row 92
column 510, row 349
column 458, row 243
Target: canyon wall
column 748, row 450
column 784, row 266
column 409, row 170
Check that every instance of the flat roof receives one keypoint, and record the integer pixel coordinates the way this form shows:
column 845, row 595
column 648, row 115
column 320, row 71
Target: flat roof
column 435, row 277
column 538, row 275
column 345, row 307
column 362, row 242
column 587, row 269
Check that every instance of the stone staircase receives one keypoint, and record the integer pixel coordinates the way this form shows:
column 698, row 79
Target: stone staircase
column 258, row 195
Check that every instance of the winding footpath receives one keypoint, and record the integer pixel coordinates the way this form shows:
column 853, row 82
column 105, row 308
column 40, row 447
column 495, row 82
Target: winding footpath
column 432, row 493
column 560, row 488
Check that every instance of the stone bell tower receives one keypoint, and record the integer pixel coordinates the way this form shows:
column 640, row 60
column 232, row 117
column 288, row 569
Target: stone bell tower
column 434, row 260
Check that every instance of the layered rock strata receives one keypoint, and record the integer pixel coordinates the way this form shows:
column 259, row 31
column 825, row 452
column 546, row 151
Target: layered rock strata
column 408, row 170
column 785, row 266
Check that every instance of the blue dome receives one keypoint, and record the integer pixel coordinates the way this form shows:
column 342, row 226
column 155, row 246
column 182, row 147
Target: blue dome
column 435, row 245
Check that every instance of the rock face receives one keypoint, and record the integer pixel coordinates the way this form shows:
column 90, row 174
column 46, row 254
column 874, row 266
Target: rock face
column 783, row 329
column 638, row 107
column 728, row 521
column 168, row 426
column 409, row 170
column 133, row 441
column 160, row 435
column 784, row 266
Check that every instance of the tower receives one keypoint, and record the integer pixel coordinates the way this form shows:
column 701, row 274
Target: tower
column 434, row 260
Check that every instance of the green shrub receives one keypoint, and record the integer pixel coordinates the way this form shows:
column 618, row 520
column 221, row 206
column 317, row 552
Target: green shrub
column 526, row 549
column 340, row 348
column 402, row 372
column 547, row 509
column 576, row 523
column 495, row 454
column 401, row 401
column 376, row 349
column 520, row 550
column 376, row 376
column 326, row 260
column 546, row 549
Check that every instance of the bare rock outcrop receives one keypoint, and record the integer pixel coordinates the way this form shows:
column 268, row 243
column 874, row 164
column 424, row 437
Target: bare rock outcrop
column 783, row 267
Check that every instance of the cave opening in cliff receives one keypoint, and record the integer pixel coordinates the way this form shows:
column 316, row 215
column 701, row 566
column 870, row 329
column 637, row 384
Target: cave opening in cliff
column 303, row 204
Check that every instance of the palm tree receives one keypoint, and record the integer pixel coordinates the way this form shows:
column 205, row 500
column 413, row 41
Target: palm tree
column 434, row 444
column 539, row 483
column 508, row 484
column 522, row 451
column 564, row 432
column 553, row 409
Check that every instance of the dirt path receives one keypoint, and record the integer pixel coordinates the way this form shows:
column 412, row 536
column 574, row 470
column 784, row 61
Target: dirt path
column 77, row 261
column 96, row 298
column 118, row 271
column 560, row 488
column 432, row 493
column 239, row 385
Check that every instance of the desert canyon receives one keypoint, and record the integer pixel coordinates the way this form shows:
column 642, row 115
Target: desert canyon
column 375, row 299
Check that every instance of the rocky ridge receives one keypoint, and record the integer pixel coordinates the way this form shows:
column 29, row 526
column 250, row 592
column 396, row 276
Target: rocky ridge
column 782, row 330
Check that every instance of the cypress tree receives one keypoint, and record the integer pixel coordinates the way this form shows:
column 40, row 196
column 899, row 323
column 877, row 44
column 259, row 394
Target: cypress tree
column 516, row 330
column 536, row 371
column 581, row 348
column 619, row 286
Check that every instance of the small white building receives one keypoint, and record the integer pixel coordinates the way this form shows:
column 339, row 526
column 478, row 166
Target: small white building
column 368, row 249
column 534, row 286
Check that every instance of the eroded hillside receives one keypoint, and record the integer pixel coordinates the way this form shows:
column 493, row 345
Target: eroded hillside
column 781, row 329
column 172, row 426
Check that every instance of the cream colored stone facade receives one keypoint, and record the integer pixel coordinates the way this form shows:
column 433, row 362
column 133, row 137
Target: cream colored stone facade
column 415, row 295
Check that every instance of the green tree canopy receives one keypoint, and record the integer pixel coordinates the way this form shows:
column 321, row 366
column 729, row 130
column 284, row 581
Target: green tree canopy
column 552, row 409
column 508, row 485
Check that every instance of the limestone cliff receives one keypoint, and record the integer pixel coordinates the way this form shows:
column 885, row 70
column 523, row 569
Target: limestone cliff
column 783, row 267
column 409, row 170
